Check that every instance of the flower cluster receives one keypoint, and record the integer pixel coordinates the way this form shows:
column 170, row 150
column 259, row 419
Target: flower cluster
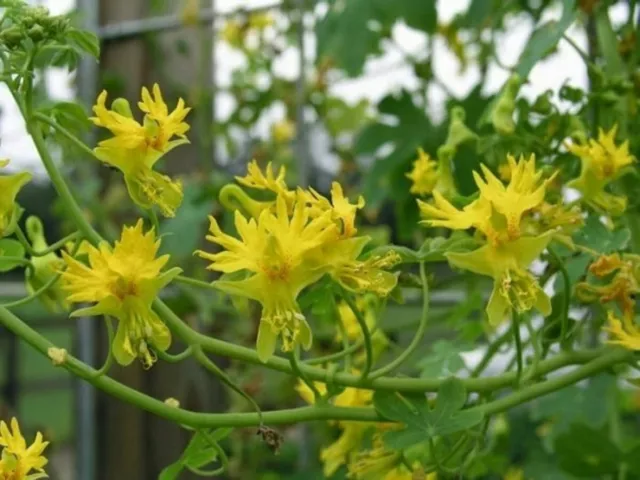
column 19, row 462
column 616, row 280
column 123, row 281
column 286, row 245
column 508, row 249
column 602, row 162
column 136, row 147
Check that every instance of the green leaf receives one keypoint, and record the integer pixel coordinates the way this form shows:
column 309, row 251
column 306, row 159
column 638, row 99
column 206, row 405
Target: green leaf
column 433, row 249
column 199, row 452
column 444, row 360
column 84, row 41
column 597, row 237
column 344, row 34
column 421, row 15
column 545, row 38
column 70, row 115
column 10, row 248
column 588, row 405
column 344, row 118
column 586, row 452
column 422, row 422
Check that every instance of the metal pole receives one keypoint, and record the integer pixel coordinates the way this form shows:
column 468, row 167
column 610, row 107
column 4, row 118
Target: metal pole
column 86, row 332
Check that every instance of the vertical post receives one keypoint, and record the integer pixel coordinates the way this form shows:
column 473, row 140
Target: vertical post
column 304, row 161
column 86, row 332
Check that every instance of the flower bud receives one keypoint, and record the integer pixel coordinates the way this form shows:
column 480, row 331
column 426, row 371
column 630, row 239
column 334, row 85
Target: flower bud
column 172, row 402
column 121, row 106
column 502, row 114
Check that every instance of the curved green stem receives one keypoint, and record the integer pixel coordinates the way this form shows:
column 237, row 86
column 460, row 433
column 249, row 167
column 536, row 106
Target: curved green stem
column 52, row 248
column 537, row 348
column 179, row 357
column 366, row 334
column 422, row 328
column 566, row 299
column 332, row 357
column 109, row 360
column 153, row 217
column 295, row 367
column 518, row 344
column 344, row 337
column 206, row 362
column 492, row 349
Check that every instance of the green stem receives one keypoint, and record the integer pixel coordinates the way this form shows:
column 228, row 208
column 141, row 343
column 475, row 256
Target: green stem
column 194, row 282
column 154, row 220
column 366, row 334
column 492, row 349
column 179, row 357
column 345, row 340
column 206, row 362
column 518, row 344
column 52, row 248
column 332, row 357
column 109, row 361
column 600, row 360
column 537, row 350
column 69, row 202
column 66, row 133
column 566, row 299
column 422, row 328
column 295, row 367
column 407, row 385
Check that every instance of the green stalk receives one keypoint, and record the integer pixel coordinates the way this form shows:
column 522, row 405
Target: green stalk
column 366, row 334
column 417, row 338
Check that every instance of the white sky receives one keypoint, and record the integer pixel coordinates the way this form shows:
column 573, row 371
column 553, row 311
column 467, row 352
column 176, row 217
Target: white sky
column 382, row 75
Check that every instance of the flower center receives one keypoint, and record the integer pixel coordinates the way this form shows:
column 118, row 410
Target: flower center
column 123, row 288
column 519, row 288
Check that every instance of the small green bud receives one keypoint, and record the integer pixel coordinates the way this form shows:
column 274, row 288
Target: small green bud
column 12, row 36
column 502, row 114
column 36, row 33
column 577, row 130
column 121, row 106
column 459, row 133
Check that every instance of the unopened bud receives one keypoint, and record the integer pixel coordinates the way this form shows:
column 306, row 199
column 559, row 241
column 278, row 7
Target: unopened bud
column 172, row 402
column 121, row 106
column 58, row 356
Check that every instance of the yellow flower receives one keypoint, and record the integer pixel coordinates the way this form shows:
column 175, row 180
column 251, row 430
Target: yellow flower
column 424, row 175
column 274, row 249
column 342, row 211
column 10, row 186
column 18, row 459
column 123, row 281
column 563, row 220
column 507, row 253
column 283, row 131
column 375, row 463
column 523, row 193
column 269, row 181
column 625, row 332
column 602, row 161
column 359, row 276
column 135, row 148
column 45, row 268
column 514, row 287
column 621, row 285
